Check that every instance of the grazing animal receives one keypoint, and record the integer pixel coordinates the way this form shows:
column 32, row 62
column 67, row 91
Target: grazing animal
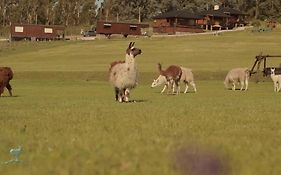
column 123, row 74
column 15, row 153
column 172, row 74
column 6, row 74
column 276, row 80
column 186, row 77
column 237, row 75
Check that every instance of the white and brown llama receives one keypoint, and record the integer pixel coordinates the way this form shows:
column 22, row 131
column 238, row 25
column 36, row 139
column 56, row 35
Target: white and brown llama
column 172, row 74
column 276, row 80
column 123, row 74
column 186, row 77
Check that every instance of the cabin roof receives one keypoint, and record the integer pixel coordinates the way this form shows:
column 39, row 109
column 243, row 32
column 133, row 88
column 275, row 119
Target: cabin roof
column 214, row 13
column 223, row 12
column 38, row 25
column 231, row 11
column 186, row 14
column 142, row 25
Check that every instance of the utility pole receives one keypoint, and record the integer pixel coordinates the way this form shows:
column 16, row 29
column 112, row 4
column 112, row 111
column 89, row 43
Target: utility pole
column 257, row 9
column 139, row 14
column 106, row 15
column 4, row 13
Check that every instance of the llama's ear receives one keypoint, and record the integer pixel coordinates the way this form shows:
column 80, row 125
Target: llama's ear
column 130, row 45
column 133, row 44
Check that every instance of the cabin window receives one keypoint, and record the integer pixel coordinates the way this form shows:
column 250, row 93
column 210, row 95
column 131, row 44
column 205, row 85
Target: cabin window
column 107, row 25
column 48, row 30
column 133, row 27
column 19, row 29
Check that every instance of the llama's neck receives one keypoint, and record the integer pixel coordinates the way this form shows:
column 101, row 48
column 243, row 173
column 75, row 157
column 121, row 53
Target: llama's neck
column 130, row 60
column 272, row 74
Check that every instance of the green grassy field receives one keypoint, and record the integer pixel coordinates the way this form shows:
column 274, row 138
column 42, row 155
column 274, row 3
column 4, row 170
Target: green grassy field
column 74, row 126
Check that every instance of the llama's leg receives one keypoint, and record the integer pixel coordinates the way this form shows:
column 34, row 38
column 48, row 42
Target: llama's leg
column 1, row 90
column 163, row 90
column 194, row 86
column 242, row 85
column 123, row 95
column 120, row 95
column 186, row 87
column 278, row 86
column 246, row 83
column 126, row 95
column 173, row 88
column 178, row 87
column 274, row 86
column 233, row 86
column 9, row 87
column 116, row 93
column 170, row 86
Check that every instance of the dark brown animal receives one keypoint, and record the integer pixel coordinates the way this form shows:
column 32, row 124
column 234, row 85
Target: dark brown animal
column 6, row 74
column 172, row 73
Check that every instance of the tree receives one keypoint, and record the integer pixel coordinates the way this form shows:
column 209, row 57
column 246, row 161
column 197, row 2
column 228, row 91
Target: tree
column 78, row 12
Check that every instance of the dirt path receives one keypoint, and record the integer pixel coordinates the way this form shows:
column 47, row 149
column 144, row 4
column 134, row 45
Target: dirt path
column 217, row 32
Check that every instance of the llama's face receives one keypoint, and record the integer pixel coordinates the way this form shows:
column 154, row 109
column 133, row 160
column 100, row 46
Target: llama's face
column 132, row 50
column 160, row 80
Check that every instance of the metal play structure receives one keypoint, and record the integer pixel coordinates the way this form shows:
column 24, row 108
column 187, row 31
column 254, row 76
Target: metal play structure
column 263, row 59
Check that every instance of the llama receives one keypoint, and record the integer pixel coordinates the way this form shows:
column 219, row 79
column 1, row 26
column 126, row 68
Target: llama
column 237, row 75
column 187, row 78
column 172, row 74
column 6, row 74
column 276, row 80
column 161, row 79
column 123, row 74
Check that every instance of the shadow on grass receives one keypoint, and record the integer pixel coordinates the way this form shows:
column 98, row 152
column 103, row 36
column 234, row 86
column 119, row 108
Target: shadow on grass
column 174, row 94
column 195, row 160
column 4, row 96
column 137, row 101
column 134, row 101
column 236, row 89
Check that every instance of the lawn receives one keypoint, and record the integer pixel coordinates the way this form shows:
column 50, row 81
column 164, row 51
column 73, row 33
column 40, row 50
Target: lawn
column 65, row 117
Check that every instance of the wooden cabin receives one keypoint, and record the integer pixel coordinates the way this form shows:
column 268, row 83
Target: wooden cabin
column 36, row 32
column 222, row 18
column 125, row 29
column 237, row 18
column 177, row 21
